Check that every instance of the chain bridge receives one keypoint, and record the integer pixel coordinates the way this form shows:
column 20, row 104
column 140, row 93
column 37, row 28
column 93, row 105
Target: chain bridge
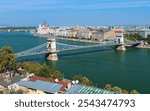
column 52, row 47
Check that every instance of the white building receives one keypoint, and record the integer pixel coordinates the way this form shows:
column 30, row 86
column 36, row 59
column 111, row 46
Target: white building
column 62, row 33
column 84, row 34
column 45, row 29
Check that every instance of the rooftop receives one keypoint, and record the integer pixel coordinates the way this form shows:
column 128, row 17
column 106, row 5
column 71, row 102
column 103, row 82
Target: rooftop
column 80, row 89
column 42, row 85
column 8, row 81
column 63, row 83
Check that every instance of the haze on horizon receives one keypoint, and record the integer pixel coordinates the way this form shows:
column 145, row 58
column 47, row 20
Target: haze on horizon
column 74, row 12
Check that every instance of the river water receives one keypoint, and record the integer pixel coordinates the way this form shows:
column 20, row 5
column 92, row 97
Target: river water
column 128, row 70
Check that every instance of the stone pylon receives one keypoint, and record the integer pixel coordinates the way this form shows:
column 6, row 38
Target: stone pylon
column 52, row 52
column 120, row 40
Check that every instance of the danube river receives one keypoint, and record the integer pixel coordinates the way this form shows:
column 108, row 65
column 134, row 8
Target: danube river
column 128, row 70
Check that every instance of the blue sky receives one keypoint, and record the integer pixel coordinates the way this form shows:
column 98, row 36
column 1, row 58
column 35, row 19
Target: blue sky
column 74, row 12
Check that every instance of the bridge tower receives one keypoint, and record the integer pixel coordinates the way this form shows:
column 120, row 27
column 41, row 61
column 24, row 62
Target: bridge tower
column 120, row 40
column 52, row 52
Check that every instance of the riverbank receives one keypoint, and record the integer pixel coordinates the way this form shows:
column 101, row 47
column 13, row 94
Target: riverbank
column 62, row 38
column 144, row 46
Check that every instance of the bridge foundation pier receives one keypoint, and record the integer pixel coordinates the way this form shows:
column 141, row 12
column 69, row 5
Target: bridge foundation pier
column 120, row 40
column 121, row 48
column 52, row 57
column 51, row 46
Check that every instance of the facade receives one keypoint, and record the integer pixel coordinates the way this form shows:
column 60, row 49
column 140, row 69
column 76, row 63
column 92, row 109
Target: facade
column 99, row 35
column 110, row 34
column 84, row 34
column 71, row 33
column 62, row 33
column 103, row 34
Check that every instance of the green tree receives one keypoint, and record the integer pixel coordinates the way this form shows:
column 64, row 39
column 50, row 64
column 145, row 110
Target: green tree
column 134, row 92
column 83, row 80
column 124, row 91
column 36, row 68
column 116, row 89
column 108, row 87
column 45, row 71
column 133, row 37
column 56, row 74
column 7, row 59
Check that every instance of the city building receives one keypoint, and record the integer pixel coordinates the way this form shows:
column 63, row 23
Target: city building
column 10, row 83
column 99, row 36
column 84, row 34
column 71, row 33
column 42, row 85
column 110, row 34
column 62, row 33
column 44, row 29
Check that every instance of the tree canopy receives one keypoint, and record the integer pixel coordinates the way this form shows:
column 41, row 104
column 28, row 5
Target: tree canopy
column 133, row 37
column 109, row 87
column 83, row 80
column 7, row 59
column 56, row 75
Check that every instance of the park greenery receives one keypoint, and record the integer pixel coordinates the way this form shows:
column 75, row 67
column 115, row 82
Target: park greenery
column 8, row 63
column 133, row 37
column 7, row 59
column 109, row 87
column 137, row 37
column 43, row 70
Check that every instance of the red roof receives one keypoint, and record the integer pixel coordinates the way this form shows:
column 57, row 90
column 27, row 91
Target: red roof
column 35, row 78
column 63, row 83
column 119, row 31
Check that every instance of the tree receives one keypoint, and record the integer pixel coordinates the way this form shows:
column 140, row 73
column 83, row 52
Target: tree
column 45, row 71
column 133, row 37
column 134, row 92
column 56, row 75
column 108, row 87
column 116, row 89
column 83, row 80
column 7, row 59
column 124, row 91
column 36, row 68
column 30, row 67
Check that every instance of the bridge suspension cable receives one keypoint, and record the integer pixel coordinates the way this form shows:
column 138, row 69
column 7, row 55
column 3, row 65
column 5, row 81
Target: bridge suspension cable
column 43, row 48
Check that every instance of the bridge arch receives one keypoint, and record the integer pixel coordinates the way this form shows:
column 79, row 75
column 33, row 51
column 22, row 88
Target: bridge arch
column 121, row 42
